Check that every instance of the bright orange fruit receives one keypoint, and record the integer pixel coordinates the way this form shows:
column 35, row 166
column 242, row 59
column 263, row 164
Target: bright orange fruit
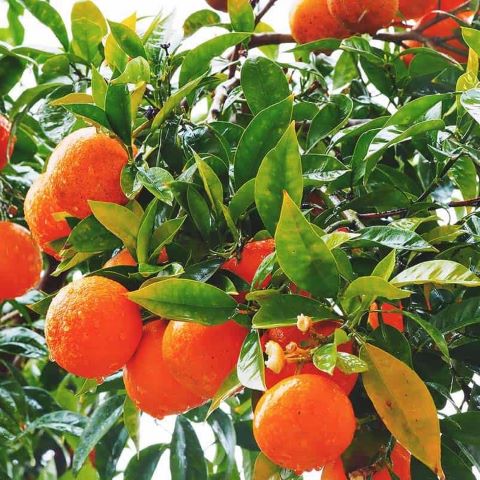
column 86, row 165
column 202, row 357
column 20, row 261
column 304, row 422
column 413, row 9
column 92, row 329
column 311, row 20
column 40, row 207
column 124, row 258
column 364, row 16
column 400, row 464
column 5, row 128
column 393, row 319
column 285, row 335
column 149, row 382
column 334, row 471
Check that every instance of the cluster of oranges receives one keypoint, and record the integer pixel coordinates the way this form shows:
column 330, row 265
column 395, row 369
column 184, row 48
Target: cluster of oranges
column 85, row 165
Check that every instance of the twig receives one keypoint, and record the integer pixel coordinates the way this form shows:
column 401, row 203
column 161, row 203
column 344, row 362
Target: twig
column 474, row 202
column 264, row 10
column 221, row 94
column 261, row 39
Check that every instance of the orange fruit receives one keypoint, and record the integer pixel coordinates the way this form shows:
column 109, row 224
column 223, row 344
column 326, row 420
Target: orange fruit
column 5, row 128
column 448, row 29
column 86, row 165
column 394, row 319
column 311, row 20
column 20, row 261
column 252, row 255
column 91, row 328
column 304, row 422
column 149, row 382
column 400, row 464
column 364, row 16
column 413, row 9
column 448, row 5
column 334, row 471
column 202, row 357
column 124, row 258
column 39, row 207
column 285, row 335
column 218, row 4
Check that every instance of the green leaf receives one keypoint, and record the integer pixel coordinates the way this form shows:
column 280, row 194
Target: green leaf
column 199, row 19
column 186, row 455
column 325, row 358
column 462, row 427
column 143, row 465
column 117, row 108
column 349, row 363
column 441, row 272
column 330, row 118
column 90, row 113
column 23, row 342
column 222, row 426
column 90, row 236
column 250, row 366
column 186, row 300
column 303, row 255
column 470, row 101
column 404, row 404
column 280, row 172
column 60, row 421
column 434, row 333
column 374, row 287
column 211, row 183
column 46, row 14
column 392, row 238
column 156, row 180
column 145, row 232
column 119, row 220
column 263, row 83
column 137, row 70
column 73, row 98
column 282, row 310
column 99, row 89
column 197, row 61
column 242, row 200
column 174, row 100
column 127, row 40
column 103, row 419
column 131, row 420
column 386, row 266
column 241, row 15
column 228, row 388
column 458, row 315
column 164, row 234
column 261, row 135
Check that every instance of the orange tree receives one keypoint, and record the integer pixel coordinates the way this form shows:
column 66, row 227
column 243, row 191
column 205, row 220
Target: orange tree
column 283, row 246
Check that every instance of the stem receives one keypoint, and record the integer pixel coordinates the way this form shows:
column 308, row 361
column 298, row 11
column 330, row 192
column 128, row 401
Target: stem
column 221, row 94
column 264, row 10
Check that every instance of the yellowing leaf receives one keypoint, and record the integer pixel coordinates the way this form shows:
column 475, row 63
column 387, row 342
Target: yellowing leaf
column 404, row 404
column 265, row 469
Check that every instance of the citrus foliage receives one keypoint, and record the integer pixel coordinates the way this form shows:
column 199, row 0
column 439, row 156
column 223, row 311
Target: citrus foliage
column 338, row 182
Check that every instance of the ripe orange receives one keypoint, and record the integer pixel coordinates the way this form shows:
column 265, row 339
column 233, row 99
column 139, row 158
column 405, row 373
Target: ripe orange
column 400, row 463
column 311, row 20
column 124, row 258
column 202, row 357
column 91, row 328
column 218, row 4
column 413, row 9
column 252, row 255
column 39, row 207
column 304, row 422
column 5, row 127
column 447, row 29
column 86, row 165
column 364, row 16
column 334, row 471
column 20, row 261
column 286, row 335
column 149, row 382
column 393, row 319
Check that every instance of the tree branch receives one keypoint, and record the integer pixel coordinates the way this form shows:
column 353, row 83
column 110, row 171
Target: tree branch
column 221, row 94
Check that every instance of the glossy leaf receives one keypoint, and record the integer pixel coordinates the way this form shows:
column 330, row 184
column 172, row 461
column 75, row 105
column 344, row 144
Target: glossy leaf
column 374, row 287
column 186, row 300
column 303, row 255
column 144, row 464
column 280, row 172
column 404, row 404
column 250, row 366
